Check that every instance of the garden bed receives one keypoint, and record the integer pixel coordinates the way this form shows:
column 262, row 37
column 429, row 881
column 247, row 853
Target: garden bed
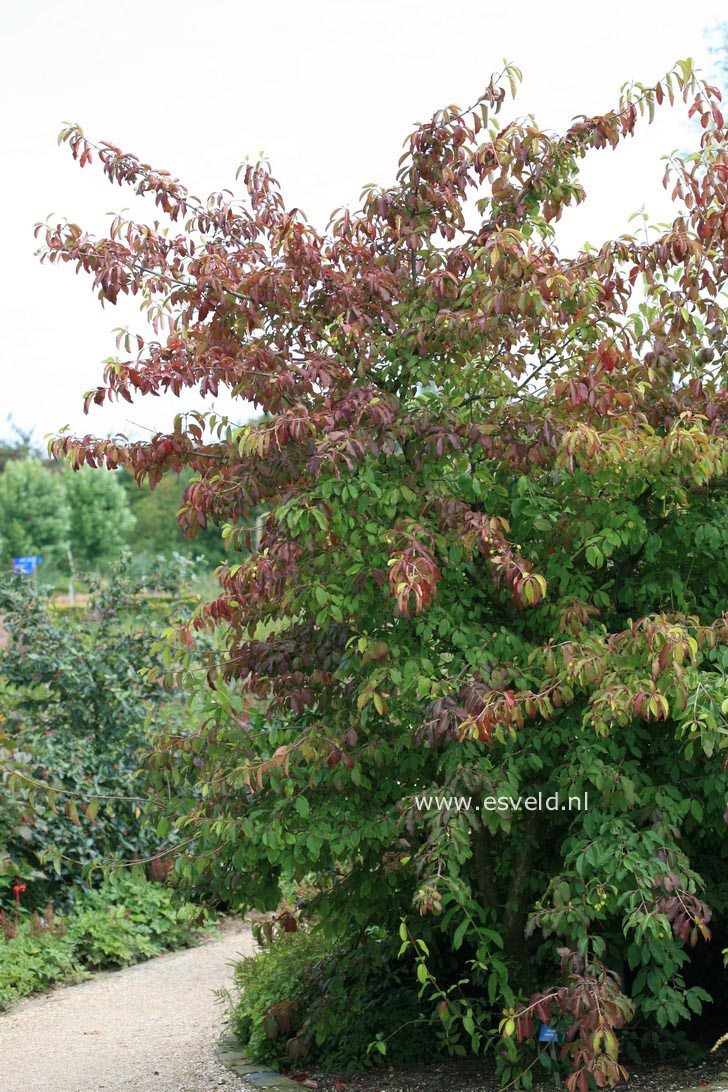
column 476, row 1075
column 127, row 920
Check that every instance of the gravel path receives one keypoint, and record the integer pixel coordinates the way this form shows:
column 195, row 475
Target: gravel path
column 150, row 1027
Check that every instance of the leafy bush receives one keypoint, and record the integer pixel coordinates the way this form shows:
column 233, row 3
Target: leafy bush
column 104, row 936
column 332, row 1003
column 126, row 920
column 75, row 696
column 494, row 554
column 16, row 829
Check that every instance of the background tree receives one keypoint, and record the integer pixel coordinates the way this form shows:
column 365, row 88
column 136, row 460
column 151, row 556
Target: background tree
column 19, row 444
column 100, row 516
column 34, row 512
column 104, row 513
column 493, row 562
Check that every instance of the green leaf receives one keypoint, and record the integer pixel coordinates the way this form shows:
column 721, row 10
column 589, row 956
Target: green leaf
column 302, row 807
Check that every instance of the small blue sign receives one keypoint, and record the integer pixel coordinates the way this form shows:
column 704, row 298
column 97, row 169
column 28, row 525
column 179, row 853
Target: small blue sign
column 26, row 566
column 547, row 1034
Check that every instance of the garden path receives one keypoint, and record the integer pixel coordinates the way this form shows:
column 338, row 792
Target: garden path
column 149, row 1028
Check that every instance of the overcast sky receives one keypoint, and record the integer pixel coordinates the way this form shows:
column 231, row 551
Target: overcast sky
column 327, row 89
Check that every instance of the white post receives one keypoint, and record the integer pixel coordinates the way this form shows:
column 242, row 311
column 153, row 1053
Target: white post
column 72, row 566
column 258, row 530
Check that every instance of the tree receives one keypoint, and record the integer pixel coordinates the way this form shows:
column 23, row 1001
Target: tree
column 493, row 562
column 34, row 514
column 20, row 445
column 100, row 516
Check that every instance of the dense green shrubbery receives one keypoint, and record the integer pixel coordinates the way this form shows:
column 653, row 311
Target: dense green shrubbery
column 332, row 1003
column 76, row 694
column 126, row 920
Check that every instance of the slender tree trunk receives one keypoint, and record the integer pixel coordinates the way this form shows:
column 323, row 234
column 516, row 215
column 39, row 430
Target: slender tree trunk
column 514, row 919
column 480, row 842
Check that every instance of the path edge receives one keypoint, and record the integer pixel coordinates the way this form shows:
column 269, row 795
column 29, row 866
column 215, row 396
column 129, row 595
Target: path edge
column 230, row 1055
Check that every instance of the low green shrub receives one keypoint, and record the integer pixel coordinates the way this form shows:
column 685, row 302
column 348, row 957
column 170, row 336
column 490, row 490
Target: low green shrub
column 105, row 936
column 126, row 920
column 335, row 1004
column 129, row 919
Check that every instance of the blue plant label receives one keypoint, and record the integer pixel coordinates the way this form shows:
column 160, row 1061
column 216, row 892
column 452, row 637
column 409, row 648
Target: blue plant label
column 26, row 566
column 547, row 1034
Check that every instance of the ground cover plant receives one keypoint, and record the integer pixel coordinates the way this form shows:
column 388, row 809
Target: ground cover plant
column 125, row 920
column 493, row 563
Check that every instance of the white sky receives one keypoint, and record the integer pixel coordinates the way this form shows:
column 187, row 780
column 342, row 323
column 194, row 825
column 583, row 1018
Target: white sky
column 327, row 89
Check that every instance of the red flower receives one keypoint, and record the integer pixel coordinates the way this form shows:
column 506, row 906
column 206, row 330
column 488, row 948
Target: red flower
column 18, row 889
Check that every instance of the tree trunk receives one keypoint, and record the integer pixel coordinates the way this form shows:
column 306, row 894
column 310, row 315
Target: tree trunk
column 516, row 909
column 480, row 842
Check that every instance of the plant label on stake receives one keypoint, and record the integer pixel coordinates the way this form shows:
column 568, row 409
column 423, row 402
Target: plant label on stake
column 548, row 1034
column 26, row 566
